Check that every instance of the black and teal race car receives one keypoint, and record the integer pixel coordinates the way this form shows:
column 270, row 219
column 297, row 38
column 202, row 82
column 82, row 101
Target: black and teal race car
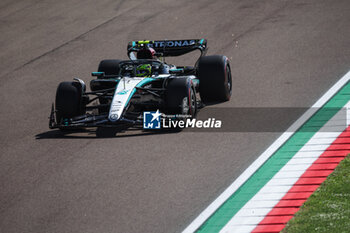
column 124, row 89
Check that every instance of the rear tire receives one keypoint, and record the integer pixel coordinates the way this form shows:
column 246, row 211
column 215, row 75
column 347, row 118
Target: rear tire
column 68, row 101
column 215, row 81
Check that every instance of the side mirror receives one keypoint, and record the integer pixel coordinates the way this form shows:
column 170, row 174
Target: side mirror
column 98, row 74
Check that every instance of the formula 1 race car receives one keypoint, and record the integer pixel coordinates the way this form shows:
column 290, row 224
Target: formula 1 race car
column 123, row 90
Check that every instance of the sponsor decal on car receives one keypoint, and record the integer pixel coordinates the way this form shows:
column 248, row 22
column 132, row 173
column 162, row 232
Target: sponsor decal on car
column 175, row 43
column 123, row 92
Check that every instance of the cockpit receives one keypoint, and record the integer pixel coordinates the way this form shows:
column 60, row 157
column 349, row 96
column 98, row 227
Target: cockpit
column 129, row 68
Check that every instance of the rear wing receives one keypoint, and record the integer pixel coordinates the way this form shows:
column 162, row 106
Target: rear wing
column 170, row 48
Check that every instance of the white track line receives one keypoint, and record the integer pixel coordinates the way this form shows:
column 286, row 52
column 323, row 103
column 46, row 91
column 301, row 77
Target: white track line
column 202, row 217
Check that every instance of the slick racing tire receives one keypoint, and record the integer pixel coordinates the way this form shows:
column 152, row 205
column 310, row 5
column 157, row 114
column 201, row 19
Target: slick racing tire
column 68, row 101
column 110, row 67
column 180, row 97
column 215, row 81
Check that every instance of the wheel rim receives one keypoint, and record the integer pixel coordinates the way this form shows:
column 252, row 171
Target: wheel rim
column 185, row 106
column 193, row 103
column 188, row 105
column 229, row 80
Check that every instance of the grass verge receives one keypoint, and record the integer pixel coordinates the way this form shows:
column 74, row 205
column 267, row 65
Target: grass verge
column 328, row 208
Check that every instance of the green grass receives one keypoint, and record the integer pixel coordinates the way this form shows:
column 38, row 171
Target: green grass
column 328, row 208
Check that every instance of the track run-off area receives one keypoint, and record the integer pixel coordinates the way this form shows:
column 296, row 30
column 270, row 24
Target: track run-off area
column 267, row 195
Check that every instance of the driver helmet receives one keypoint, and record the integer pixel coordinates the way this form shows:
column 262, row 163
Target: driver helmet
column 144, row 70
column 146, row 53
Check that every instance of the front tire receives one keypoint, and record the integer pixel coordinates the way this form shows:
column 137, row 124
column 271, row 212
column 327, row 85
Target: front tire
column 180, row 97
column 109, row 67
column 68, row 101
column 215, row 80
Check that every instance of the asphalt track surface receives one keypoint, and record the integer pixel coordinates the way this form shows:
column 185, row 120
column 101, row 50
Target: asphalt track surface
column 283, row 54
